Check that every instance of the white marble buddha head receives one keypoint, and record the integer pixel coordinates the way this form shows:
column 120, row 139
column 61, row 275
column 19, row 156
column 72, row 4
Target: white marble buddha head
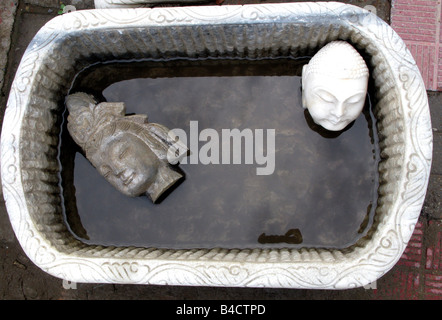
column 334, row 85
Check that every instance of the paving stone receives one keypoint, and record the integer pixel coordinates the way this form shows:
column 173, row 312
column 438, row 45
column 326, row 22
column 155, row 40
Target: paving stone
column 433, row 254
column 80, row 4
column 403, row 284
column 433, row 286
column 412, row 255
column 44, row 3
column 436, row 166
column 432, row 203
column 7, row 14
column 435, row 102
column 419, row 24
column 433, row 262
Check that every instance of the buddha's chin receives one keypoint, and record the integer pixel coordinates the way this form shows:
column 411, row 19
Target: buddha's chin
column 333, row 125
column 133, row 189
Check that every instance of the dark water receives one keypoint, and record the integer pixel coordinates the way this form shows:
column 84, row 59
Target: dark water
column 322, row 192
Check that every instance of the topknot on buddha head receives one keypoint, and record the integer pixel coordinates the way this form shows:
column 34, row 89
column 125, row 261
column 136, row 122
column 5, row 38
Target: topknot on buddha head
column 338, row 59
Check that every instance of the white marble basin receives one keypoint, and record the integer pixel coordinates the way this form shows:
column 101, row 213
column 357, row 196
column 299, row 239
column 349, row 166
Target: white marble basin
column 30, row 138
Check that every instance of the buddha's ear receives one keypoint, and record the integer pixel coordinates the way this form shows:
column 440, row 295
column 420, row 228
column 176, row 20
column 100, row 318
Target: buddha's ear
column 304, row 76
column 303, row 79
column 304, row 104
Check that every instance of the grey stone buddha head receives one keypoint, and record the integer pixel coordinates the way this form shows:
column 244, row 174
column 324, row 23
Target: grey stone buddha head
column 334, row 85
column 130, row 153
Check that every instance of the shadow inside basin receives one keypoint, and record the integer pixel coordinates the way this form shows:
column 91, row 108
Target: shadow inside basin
column 324, row 184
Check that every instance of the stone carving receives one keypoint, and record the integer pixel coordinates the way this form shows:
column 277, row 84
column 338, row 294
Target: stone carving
column 30, row 169
column 132, row 154
column 334, row 85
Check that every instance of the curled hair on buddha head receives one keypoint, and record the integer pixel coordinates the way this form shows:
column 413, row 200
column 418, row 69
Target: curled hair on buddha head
column 338, row 59
column 87, row 117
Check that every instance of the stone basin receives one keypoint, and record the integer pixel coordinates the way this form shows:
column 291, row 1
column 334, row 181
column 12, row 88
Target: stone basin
column 30, row 140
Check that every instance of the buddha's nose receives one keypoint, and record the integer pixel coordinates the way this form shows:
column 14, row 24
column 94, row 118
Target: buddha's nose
column 120, row 173
column 338, row 110
column 116, row 170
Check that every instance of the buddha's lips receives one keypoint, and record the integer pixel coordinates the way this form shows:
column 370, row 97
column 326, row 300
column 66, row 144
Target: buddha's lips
column 334, row 121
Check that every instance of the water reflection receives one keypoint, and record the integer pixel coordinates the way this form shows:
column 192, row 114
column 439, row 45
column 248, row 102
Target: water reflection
column 323, row 186
column 320, row 130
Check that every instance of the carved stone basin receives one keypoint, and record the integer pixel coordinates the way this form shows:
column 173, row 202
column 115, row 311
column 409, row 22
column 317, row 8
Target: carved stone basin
column 69, row 43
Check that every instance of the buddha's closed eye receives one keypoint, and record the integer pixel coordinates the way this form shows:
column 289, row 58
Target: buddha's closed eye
column 355, row 99
column 325, row 96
